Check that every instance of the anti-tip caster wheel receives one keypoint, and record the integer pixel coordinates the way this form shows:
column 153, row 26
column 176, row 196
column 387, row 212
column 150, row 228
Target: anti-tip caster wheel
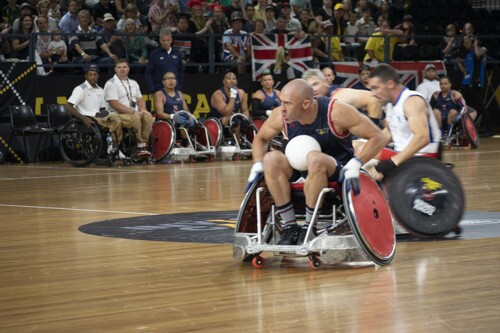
column 258, row 262
column 314, row 262
column 127, row 162
column 458, row 231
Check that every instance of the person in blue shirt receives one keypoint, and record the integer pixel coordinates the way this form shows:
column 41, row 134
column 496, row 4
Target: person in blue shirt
column 266, row 98
column 162, row 60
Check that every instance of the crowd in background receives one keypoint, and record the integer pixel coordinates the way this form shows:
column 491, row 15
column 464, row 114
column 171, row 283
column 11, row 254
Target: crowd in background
column 101, row 31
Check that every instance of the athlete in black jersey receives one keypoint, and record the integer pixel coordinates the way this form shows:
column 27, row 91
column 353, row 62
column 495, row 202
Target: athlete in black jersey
column 331, row 122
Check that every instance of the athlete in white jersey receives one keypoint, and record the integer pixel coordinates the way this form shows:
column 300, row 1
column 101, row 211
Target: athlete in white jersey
column 411, row 123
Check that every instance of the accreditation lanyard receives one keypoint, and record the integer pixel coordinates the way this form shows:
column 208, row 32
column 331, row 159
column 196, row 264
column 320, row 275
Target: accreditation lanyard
column 129, row 93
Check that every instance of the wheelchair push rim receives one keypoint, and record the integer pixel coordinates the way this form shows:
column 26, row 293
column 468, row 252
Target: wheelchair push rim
column 370, row 219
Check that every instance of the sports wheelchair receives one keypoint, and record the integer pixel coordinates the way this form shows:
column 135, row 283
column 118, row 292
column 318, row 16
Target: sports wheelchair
column 226, row 141
column 81, row 146
column 463, row 132
column 349, row 227
column 166, row 134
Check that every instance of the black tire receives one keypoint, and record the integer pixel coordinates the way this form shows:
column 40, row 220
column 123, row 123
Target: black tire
column 78, row 144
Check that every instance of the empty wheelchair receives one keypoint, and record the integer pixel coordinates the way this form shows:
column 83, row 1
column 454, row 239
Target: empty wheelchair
column 166, row 141
column 81, row 146
column 463, row 132
column 349, row 228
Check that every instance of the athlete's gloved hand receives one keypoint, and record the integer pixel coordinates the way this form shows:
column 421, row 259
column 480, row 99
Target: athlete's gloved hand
column 255, row 172
column 233, row 92
column 385, row 167
column 183, row 118
column 351, row 174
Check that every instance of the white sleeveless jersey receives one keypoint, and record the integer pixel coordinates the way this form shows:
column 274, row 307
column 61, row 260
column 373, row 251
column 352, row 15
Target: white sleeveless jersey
column 398, row 124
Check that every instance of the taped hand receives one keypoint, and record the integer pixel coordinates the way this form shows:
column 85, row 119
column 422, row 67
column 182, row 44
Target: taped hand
column 350, row 174
column 255, row 172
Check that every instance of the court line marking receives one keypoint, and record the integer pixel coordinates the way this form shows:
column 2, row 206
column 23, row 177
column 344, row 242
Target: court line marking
column 79, row 209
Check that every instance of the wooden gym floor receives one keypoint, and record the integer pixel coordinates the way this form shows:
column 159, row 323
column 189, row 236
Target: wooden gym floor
column 55, row 278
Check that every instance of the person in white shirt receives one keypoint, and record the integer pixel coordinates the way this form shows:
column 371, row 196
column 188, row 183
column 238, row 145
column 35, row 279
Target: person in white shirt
column 87, row 104
column 124, row 98
column 430, row 84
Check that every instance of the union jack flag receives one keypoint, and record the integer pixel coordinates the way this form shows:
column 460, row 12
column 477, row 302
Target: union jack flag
column 264, row 52
column 411, row 73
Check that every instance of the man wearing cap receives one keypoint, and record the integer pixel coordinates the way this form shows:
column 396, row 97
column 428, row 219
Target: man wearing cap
column 430, row 84
column 124, row 98
column 292, row 24
column 270, row 19
column 88, row 44
column 87, row 104
column 236, row 44
column 338, row 21
column 24, row 9
column 115, row 42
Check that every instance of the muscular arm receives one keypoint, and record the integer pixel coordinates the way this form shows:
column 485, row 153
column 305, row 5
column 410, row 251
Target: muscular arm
column 270, row 129
column 244, row 103
column 346, row 118
column 218, row 103
column 417, row 114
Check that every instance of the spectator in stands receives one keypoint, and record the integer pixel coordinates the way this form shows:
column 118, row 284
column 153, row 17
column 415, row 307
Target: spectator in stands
column 305, row 19
column 407, row 48
column 42, row 41
column 332, row 43
column 260, row 9
column 123, row 97
column 259, row 27
column 298, row 5
column 227, row 101
column 338, row 21
column 87, row 44
column 219, row 26
column 447, row 103
column 389, row 13
column 324, row 13
column 162, row 15
column 346, row 10
column 366, row 26
column 162, row 60
column 59, row 50
column 364, row 72
column 130, row 12
column 24, row 9
column 329, row 75
column 55, row 10
column 351, row 36
column 474, row 80
column 266, row 98
column 281, row 26
column 199, row 25
column 281, row 69
column 87, row 104
column 236, row 44
column 183, row 41
column 468, row 29
column 43, row 9
column 362, row 6
column 103, row 7
column 236, row 6
column 21, row 44
column 430, row 84
column 249, row 17
column 451, row 44
column 270, row 18
column 115, row 42
column 292, row 24
column 375, row 47
column 136, row 45
column 10, row 12
column 69, row 21
column 5, row 46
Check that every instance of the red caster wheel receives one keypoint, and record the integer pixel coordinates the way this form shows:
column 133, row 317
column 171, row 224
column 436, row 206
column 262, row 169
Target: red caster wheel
column 258, row 262
column 314, row 263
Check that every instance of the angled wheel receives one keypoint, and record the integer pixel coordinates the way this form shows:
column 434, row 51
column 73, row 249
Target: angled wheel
column 426, row 197
column 78, row 144
column 215, row 130
column 370, row 220
column 470, row 130
column 163, row 139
